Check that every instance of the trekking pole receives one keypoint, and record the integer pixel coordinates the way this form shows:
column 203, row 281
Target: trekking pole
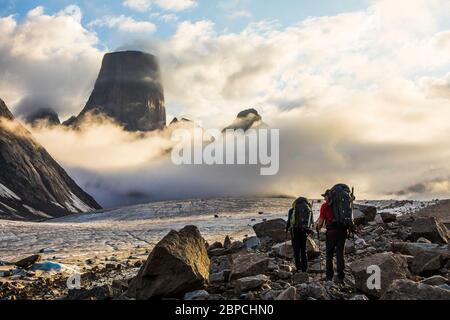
column 320, row 254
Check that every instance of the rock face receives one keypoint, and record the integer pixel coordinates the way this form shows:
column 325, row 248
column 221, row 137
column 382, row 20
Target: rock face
column 409, row 290
column 246, row 120
column 177, row 265
column 32, row 184
column 431, row 229
column 392, row 266
column 128, row 90
column 47, row 116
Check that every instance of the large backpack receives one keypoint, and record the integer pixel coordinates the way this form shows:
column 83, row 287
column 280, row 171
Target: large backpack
column 302, row 214
column 341, row 207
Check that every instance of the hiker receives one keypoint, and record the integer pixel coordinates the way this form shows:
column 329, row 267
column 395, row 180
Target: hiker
column 299, row 224
column 340, row 200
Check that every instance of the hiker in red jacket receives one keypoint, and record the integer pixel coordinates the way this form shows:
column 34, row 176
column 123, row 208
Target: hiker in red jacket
column 335, row 241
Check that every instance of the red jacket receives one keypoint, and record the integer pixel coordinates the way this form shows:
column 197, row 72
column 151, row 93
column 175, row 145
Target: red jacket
column 325, row 213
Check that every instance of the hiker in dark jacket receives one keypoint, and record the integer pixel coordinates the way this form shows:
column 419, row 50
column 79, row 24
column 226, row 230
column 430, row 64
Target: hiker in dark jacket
column 299, row 238
column 335, row 241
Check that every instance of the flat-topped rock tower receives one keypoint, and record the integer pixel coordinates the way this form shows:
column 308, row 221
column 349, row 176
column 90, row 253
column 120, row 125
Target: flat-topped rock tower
column 129, row 90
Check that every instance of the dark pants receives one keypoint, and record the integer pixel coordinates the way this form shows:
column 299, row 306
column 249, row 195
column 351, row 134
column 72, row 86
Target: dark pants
column 336, row 244
column 299, row 246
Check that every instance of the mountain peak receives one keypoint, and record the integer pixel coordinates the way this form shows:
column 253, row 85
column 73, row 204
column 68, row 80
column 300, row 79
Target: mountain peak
column 44, row 114
column 32, row 184
column 246, row 120
column 129, row 91
column 4, row 111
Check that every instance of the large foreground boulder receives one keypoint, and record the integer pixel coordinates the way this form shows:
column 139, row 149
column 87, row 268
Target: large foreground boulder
column 273, row 229
column 429, row 228
column 408, row 290
column 392, row 267
column 177, row 265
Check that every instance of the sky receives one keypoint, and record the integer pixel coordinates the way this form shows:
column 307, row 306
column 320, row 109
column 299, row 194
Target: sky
column 359, row 89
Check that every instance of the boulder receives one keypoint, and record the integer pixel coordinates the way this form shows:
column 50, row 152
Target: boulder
column 250, row 283
column 359, row 218
column 178, row 264
column 427, row 263
column 287, row 295
column 388, row 217
column 312, row 290
column 369, row 211
column 404, row 289
column 392, row 266
column 249, row 264
column 379, row 219
column 252, row 243
column 300, row 278
column 217, row 277
column 273, row 229
column 222, row 263
column 431, row 229
column 285, row 250
column 413, row 249
column 28, row 261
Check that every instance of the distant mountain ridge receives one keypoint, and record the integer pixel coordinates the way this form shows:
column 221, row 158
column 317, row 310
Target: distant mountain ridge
column 33, row 186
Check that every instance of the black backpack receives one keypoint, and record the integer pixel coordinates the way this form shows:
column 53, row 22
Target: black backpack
column 341, row 207
column 302, row 214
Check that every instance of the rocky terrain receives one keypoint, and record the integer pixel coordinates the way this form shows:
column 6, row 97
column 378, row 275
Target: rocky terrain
column 129, row 91
column 33, row 186
column 237, row 250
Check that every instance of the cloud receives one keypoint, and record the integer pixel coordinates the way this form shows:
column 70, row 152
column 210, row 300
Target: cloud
column 56, row 48
column 124, row 24
column 176, row 5
column 359, row 97
column 138, row 5
column 170, row 5
column 437, row 87
column 240, row 14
